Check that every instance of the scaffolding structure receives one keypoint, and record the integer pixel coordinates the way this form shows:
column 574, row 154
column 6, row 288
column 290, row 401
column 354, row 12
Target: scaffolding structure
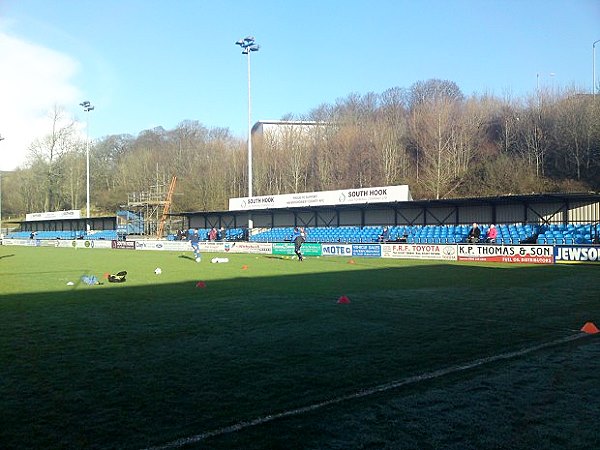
column 166, row 208
column 154, row 206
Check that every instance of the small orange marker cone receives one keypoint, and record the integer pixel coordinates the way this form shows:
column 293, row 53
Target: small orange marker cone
column 106, row 275
column 200, row 284
column 343, row 300
column 244, row 267
column 590, row 328
column 351, row 261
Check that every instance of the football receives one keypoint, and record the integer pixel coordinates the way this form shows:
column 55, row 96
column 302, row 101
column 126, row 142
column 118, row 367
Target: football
column 158, row 271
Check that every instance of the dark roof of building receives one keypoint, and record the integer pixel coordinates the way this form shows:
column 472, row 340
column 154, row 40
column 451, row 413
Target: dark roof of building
column 524, row 199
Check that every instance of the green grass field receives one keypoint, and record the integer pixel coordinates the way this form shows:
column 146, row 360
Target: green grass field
column 264, row 357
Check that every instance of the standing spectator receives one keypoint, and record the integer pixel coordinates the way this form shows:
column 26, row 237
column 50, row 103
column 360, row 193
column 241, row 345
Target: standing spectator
column 212, row 234
column 384, row 236
column 474, row 233
column 492, row 234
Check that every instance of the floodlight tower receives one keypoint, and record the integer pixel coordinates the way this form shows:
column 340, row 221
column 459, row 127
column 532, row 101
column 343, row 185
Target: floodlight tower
column 87, row 107
column 249, row 45
column 594, row 69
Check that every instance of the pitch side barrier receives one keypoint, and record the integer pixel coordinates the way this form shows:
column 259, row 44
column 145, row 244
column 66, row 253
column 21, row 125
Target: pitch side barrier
column 518, row 254
column 58, row 243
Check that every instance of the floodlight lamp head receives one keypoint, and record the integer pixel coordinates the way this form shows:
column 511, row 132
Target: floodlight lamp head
column 85, row 104
column 254, row 48
column 249, row 39
column 240, row 42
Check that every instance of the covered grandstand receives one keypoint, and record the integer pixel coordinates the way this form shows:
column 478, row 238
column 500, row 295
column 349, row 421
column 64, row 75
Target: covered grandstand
column 548, row 219
column 559, row 218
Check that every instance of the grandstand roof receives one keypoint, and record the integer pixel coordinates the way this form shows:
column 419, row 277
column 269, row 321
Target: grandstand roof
column 525, row 199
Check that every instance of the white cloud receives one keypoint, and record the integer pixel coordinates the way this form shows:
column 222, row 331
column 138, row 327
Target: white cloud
column 33, row 81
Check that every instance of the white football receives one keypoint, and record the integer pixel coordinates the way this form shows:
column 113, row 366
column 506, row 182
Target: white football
column 158, row 271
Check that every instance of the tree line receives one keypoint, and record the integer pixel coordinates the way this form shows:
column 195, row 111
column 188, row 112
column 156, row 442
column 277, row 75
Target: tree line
column 429, row 136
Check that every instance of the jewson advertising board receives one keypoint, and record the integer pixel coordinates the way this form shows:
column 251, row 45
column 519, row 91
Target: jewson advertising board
column 419, row 251
column 578, row 254
column 524, row 254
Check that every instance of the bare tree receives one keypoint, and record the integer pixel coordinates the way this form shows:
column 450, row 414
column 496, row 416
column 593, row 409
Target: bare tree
column 48, row 152
column 429, row 135
column 574, row 131
column 433, row 90
column 432, row 131
column 536, row 126
column 390, row 136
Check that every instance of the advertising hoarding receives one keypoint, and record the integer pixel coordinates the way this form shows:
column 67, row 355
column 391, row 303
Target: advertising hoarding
column 324, row 198
column 577, row 254
column 419, row 251
column 523, row 254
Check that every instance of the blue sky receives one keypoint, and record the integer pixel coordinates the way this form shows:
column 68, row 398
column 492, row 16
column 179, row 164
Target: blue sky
column 148, row 63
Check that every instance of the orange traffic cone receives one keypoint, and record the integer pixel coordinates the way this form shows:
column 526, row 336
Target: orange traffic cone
column 351, row 261
column 590, row 328
column 244, row 267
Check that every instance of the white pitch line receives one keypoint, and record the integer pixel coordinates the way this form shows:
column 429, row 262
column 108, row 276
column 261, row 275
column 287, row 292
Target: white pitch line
column 362, row 393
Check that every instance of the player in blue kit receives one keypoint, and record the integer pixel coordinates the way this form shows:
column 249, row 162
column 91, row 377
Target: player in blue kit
column 195, row 241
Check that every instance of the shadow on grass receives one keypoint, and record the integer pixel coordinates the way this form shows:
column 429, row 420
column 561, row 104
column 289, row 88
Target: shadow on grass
column 139, row 365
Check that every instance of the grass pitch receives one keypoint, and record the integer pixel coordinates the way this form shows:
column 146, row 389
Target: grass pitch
column 157, row 359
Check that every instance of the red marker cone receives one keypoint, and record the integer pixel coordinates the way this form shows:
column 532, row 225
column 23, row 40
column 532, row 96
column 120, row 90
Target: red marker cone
column 244, row 267
column 590, row 328
column 200, row 284
column 343, row 300
column 351, row 261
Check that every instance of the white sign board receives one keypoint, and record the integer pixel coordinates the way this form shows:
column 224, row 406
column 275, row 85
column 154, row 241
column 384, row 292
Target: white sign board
column 324, row 198
column 54, row 215
column 419, row 251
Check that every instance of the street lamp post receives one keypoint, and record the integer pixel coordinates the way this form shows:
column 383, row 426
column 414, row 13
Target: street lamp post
column 594, row 68
column 249, row 45
column 87, row 107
